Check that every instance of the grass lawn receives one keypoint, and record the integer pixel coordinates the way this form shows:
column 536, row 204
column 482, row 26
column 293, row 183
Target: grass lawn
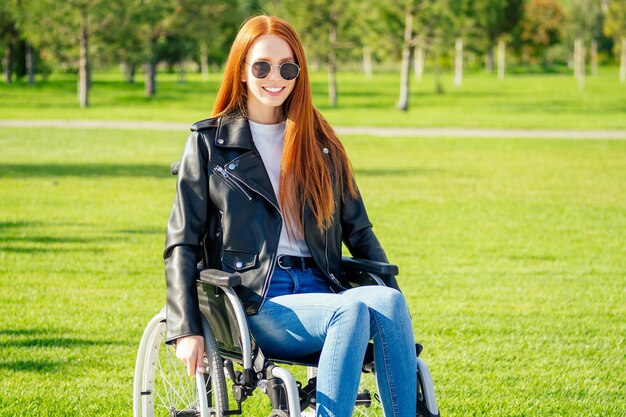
column 519, row 101
column 512, row 257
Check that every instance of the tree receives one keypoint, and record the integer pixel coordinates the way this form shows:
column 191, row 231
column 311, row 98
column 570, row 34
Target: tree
column 151, row 17
column 9, row 36
column 436, row 30
column 423, row 23
column 615, row 27
column 495, row 18
column 210, row 26
column 71, row 27
column 408, row 49
column 541, row 26
column 324, row 26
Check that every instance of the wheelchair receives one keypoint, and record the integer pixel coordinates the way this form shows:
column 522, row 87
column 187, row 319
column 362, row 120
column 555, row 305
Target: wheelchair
column 162, row 388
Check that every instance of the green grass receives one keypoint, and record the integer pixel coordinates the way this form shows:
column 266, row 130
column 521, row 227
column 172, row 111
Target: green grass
column 519, row 101
column 512, row 257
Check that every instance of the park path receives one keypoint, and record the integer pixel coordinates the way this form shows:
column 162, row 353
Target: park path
column 374, row 131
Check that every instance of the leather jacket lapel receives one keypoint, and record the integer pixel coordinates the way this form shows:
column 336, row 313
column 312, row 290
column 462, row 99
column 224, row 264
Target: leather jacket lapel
column 234, row 133
column 248, row 167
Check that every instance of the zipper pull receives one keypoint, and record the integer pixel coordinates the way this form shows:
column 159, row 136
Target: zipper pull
column 221, row 170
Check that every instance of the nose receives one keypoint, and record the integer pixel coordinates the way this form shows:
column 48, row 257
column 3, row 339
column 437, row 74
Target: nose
column 274, row 73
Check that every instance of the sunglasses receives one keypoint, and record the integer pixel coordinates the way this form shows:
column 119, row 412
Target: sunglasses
column 288, row 70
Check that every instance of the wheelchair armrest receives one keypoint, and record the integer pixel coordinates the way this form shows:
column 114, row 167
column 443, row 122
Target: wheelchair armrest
column 219, row 278
column 365, row 265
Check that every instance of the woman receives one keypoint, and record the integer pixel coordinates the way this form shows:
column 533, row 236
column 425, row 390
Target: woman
column 268, row 186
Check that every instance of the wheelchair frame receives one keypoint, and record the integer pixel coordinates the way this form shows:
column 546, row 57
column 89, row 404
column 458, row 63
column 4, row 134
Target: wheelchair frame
column 227, row 339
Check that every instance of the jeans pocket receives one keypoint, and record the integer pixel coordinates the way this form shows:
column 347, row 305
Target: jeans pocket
column 318, row 275
column 281, row 283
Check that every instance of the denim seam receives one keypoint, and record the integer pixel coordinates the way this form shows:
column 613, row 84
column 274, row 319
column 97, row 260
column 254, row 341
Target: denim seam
column 392, row 393
column 294, row 279
column 334, row 356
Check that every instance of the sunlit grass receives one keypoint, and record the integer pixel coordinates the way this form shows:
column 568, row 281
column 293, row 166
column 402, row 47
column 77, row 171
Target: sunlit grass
column 512, row 258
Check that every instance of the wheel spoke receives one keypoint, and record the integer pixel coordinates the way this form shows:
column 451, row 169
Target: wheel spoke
column 172, row 392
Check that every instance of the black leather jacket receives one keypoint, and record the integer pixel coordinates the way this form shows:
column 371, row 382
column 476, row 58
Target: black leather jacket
column 226, row 215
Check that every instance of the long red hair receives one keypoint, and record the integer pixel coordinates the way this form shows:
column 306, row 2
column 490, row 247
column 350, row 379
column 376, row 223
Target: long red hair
column 313, row 156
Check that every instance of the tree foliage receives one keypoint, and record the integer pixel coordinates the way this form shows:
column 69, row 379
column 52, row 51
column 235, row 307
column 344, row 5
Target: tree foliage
column 541, row 26
column 144, row 33
column 615, row 22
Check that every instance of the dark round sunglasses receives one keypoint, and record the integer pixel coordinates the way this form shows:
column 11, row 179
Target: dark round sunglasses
column 288, row 70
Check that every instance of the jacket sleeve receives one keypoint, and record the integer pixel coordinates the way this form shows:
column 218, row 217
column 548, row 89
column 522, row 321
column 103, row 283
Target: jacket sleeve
column 358, row 235
column 185, row 231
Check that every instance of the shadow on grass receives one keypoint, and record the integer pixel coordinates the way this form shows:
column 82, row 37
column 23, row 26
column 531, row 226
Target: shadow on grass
column 145, row 231
column 33, row 366
column 22, row 332
column 391, row 172
column 83, row 170
column 123, row 170
column 19, row 250
column 5, row 226
column 49, row 239
column 26, row 338
column 53, row 342
column 41, row 244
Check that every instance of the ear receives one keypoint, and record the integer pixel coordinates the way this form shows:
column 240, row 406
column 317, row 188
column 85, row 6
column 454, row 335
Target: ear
column 244, row 74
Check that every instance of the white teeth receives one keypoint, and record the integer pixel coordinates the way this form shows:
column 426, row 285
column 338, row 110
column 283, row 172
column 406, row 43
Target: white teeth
column 273, row 89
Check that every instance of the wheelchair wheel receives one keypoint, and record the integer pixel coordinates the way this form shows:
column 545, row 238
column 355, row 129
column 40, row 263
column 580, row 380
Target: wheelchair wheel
column 162, row 387
column 426, row 401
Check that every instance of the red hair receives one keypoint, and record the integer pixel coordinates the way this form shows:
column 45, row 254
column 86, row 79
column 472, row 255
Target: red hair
column 313, row 156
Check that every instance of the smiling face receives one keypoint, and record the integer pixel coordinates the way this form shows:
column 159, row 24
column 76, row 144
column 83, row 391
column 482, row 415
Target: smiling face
column 266, row 95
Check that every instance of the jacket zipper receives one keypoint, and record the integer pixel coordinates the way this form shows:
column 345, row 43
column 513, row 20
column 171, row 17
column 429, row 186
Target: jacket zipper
column 231, row 179
column 235, row 180
column 332, row 276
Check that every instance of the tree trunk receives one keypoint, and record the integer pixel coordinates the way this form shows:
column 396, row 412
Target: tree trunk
column 30, row 63
column 367, row 62
column 438, row 86
column 181, row 72
column 315, row 63
column 501, row 58
column 150, row 71
column 83, row 62
column 575, row 59
column 332, row 59
column 418, row 62
column 129, row 70
column 458, row 62
column 204, row 61
column 579, row 62
column 622, row 65
column 593, row 58
column 489, row 58
column 8, row 63
column 405, row 70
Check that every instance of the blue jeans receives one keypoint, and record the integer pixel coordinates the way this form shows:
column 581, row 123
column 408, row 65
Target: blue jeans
column 301, row 315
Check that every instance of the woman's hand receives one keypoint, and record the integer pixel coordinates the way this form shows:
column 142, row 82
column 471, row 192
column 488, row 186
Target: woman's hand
column 190, row 350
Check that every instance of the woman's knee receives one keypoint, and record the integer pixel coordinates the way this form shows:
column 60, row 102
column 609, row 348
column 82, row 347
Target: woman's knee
column 390, row 305
column 383, row 298
column 354, row 310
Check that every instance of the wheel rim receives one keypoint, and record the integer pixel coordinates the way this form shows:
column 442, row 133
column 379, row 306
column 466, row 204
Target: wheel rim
column 167, row 390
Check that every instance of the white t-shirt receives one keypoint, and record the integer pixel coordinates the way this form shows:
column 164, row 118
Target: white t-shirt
column 269, row 140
